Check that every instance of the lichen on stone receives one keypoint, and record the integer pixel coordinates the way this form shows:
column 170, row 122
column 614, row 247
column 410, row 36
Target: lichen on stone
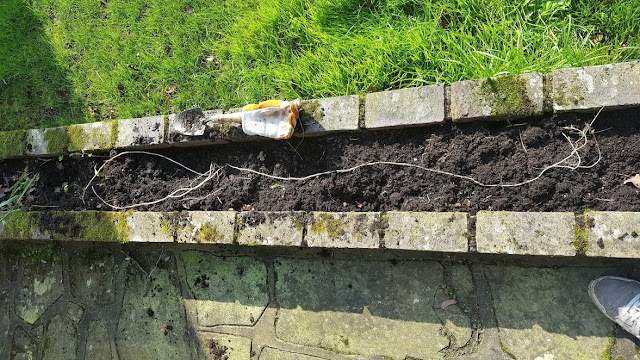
column 324, row 223
column 209, row 233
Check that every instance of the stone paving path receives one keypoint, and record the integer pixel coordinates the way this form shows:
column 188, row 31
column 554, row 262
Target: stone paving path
column 124, row 302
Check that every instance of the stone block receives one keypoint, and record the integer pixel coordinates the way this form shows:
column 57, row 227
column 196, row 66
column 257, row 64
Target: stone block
column 321, row 116
column 36, row 144
column 270, row 228
column 93, row 136
column 526, row 233
column 146, row 226
column 344, row 230
column 141, row 133
column 499, row 98
column 405, row 107
column 426, row 231
column 613, row 234
column 216, row 227
column 592, row 87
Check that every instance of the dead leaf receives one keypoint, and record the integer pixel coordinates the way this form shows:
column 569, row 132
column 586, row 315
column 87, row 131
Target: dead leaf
column 62, row 93
column 171, row 90
column 445, row 304
column 368, row 4
column 247, row 207
column 635, row 180
column 163, row 328
column 59, row 166
column 188, row 10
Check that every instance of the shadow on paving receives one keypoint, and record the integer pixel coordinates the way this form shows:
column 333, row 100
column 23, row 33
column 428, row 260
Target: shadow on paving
column 35, row 89
column 97, row 301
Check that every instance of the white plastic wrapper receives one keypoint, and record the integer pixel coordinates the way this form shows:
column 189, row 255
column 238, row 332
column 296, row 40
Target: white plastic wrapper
column 273, row 122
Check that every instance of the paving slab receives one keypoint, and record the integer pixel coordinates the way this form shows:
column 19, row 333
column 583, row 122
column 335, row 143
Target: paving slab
column 5, row 303
column 92, row 274
column 222, row 346
column 546, row 313
column 270, row 228
column 41, row 283
column 426, row 231
column 592, row 87
column 613, row 234
column 152, row 323
column 61, row 338
column 275, row 354
column 344, row 230
column 322, row 116
column 24, row 345
column 367, row 308
column 98, row 345
column 498, row 98
column 217, row 302
column 526, row 233
column 144, row 226
column 418, row 106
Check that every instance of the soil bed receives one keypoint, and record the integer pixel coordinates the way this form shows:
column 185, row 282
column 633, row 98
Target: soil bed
column 489, row 152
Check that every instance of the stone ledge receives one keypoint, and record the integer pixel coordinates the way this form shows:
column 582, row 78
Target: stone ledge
column 594, row 233
column 501, row 98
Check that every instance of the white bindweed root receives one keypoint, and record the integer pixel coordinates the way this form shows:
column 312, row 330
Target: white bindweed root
column 572, row 161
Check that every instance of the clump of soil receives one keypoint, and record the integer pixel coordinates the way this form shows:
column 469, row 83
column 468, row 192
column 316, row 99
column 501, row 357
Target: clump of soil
column 494, row 153
column 217, row 352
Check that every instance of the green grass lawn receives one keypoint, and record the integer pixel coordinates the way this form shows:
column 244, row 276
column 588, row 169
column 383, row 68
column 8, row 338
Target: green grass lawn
column 71, row 61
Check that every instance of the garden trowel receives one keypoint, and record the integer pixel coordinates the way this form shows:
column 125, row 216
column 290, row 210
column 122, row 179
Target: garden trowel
column 274, row 119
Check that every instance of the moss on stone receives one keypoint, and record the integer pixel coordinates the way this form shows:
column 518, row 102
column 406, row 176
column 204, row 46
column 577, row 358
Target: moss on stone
column 209, row 233
column 606, row 355
column 114, row 133
column 57, row 140
column 508, row 95
column 324, row 223
column 581, row 233
column 312, row 109
column 12, row 143
column 77, row 137
column 18, row 225
column 96, row 226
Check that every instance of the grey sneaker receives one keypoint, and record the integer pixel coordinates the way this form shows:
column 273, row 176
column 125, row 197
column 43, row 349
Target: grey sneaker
column 619, row 300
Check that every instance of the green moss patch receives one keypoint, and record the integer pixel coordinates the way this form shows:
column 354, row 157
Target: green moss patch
column 12, row 143
column 508, row 96
column 96, row 226
column 58, row 140
column 581, row 232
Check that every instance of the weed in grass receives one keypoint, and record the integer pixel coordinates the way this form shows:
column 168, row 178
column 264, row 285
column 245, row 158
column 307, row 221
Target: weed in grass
column 68, row 61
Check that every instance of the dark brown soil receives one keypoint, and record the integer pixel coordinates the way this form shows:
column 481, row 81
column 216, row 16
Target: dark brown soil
column 489, row 152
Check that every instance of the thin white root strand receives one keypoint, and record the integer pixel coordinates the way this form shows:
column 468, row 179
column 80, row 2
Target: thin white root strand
column 572, row 161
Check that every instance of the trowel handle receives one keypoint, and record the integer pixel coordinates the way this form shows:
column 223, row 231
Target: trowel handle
column 227, row 118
